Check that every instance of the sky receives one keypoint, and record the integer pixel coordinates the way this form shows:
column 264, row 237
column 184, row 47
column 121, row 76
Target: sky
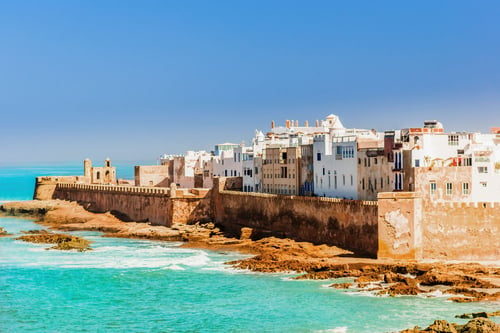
column 131, row 80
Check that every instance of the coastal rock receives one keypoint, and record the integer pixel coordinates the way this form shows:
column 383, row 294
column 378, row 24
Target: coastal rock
column 406, row 286
column 62, row 241
column 457, row 279
column 480, row 325
column 471, row 295
column 341, row 285
column 3, row 232
column 441, row 326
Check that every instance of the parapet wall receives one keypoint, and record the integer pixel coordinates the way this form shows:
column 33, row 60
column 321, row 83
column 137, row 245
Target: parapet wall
column 412, row 228
column 46, row 185
column 348, row 224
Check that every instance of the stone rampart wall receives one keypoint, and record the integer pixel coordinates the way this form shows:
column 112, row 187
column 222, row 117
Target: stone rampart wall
column 348, row 224
column 141, row 204
column 413, row 228
column 461, row 231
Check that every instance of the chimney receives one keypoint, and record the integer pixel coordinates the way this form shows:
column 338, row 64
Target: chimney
column 288, row 124
column 317, row 123
column 296, row 123
column 306, row 124
column 272, row 124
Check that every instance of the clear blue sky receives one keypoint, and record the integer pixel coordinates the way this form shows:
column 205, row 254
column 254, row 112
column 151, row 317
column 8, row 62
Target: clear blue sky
column 134, row 79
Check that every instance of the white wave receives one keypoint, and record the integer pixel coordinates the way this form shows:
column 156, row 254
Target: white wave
column 174, row 268
column 342, row 329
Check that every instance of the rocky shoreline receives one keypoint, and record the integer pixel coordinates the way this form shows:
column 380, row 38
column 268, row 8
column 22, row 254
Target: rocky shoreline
column 462, row 282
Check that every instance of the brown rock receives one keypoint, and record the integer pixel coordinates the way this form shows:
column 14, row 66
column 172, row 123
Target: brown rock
column 372, row 277
column 391, row 277
column 341, row 285
column 407, row 286
column 480, row 325
column 246, row 233
column 441, row 326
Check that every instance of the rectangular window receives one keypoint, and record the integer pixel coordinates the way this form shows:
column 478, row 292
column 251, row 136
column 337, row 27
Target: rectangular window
column 482, row 169
column 465, row 188
column 417, row 163
column 343, row 180
column 323, row 171
column 433, row 187
column 452, row 140
column 318, row 156
column 352, row 180
column 449, row 188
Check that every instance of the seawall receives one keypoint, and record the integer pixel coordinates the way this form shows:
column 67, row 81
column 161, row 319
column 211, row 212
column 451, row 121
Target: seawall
column 349, row 224
column 400, row 225
column 159, row 206
column 410, row 228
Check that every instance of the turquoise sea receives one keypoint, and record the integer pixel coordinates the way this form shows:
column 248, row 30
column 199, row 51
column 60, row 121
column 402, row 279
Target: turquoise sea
column 148, row 286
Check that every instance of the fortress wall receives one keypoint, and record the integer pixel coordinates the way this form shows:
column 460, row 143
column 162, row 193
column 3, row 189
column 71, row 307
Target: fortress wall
column 348, row 224
column 189, row 210
column 461, row 231
column 46, row 185
column 412, row 228
column 127, row 203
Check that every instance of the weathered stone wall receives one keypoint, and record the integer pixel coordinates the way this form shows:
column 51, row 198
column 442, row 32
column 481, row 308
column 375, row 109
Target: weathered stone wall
column 399, row 225
column 345, row 223
column 144, row 204
column 461, row 231
column 46, row 185
column 413, row 228
column 152, row 175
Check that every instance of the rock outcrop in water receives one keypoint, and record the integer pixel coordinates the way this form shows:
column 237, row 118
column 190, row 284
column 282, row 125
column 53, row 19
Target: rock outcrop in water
column 477, row 325
column 3, row 232
column 62, row 241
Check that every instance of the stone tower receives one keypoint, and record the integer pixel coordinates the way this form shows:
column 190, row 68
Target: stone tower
column 87, row 168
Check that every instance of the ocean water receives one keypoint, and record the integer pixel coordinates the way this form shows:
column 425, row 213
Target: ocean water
column 126, row 285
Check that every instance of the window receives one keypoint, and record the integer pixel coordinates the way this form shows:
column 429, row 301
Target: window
column 433, row 187
column 363, row 183
column 465, row 188
column 375, row 160
column 318, row 156
column 484, row 184
column 323, row 171
column 452, row 140
column 343, row 180
column 482, row 169
column 359, row 161
column 417, row 163
column 449, row 188
column 284, row 172
column 352, row 180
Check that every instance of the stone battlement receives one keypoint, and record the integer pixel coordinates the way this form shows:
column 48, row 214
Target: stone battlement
column 452, row 204
column 302, row 198
column 135, row 190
